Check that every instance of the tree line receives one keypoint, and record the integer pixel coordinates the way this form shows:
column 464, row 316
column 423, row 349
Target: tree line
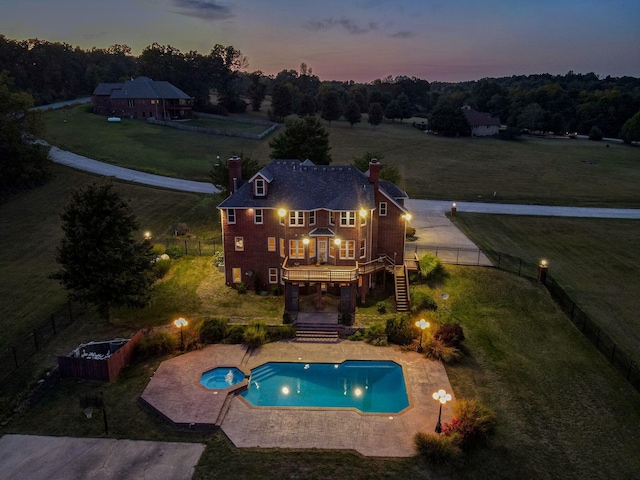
column 219, row 82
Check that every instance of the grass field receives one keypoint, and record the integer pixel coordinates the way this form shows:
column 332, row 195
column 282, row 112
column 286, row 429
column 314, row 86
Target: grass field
column 597, row 261
column 532, row 170
column 32, row 232
column 562, row 411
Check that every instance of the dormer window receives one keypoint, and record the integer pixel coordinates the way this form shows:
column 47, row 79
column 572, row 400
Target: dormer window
column 259, row 186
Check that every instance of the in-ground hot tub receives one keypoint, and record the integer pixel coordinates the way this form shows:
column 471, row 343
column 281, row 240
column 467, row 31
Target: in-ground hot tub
column 221, row 377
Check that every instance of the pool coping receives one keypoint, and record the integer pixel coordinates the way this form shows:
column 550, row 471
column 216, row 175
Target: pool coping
column 176, row 394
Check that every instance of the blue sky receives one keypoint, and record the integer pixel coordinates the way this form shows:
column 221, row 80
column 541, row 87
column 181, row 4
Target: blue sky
column 359, row 40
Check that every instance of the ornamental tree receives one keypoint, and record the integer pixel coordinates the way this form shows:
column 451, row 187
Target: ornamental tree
column 100, row 260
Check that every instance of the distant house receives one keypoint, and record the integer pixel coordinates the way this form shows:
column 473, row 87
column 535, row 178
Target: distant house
column 142, row 98
column 482, row 124
column 313, row 230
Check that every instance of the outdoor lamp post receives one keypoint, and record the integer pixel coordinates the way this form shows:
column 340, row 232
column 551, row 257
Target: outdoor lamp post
column 442, row 397
column 542, row 271
column 147, row 236
column 181, row 323
column 422, row 324
column 454, row 209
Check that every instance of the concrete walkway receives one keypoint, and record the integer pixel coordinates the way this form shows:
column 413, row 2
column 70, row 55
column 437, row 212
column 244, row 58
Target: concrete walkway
column 34, row 457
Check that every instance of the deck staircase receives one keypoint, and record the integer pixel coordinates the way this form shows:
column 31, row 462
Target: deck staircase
column 317, row 327
column 403, row 303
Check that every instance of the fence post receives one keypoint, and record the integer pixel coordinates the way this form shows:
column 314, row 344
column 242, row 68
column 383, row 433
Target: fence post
column 186, row 251
column 458, row 256
column 613, row 353
column 199, row 247
column 437, row 251
column 53, row 323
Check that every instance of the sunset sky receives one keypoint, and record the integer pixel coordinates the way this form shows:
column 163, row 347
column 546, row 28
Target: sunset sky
column 360, row 40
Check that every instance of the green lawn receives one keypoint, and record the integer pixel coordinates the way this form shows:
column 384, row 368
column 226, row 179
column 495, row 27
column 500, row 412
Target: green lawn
column 532, row 170
column 562, row 411
column 32, row 232
column 597, row 261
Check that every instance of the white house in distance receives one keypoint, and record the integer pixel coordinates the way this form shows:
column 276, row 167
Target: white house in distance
column 482, row 124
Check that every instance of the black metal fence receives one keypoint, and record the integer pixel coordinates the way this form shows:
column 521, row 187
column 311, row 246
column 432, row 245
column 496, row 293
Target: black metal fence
column 523, row 268
column 192, row 247
column 12, row 357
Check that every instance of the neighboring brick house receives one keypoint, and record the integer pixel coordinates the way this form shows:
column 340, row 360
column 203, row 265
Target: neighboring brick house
column 142, row 98
column 313, row 229
column 482, row 124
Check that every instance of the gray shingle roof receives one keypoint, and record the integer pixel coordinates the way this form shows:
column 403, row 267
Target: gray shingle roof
column 144, row 87
column 305, row 186
column 107, row 88
column 475, row 118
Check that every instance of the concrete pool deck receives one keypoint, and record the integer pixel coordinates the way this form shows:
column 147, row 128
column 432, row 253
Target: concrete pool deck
column 176, row 393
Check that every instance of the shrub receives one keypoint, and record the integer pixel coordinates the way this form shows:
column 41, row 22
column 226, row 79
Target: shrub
column 174, row 251
column 218, row 258
column 161, row 267
column 421, row 300
column 213, row 330
column 410, row 232
column 286, row 318
column 241, row 287
column 437, row 350
column 356, row 337
column 451, row 334
column 429, row 265
column 381, row 307
column 400, row 331
column 375, row 335
column 158, row 249
column 437, row 449
column 345, row 319
column 235, row 334
column 281, row 333
column 255, row 335
column 182, row 229
column 276, row 290
column 595, row 133
column 472, row 422
column 157, row 344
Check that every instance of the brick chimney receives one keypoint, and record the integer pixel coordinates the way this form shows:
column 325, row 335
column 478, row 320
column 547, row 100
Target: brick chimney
column 235, row 173
column 374, row 172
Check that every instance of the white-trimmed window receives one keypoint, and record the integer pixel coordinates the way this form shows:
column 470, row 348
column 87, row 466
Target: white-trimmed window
column 231, row 215
column 347, row 249
column 347, row 219
column 271, row 244
column 239, row 242
column 257, row 216
column 332, row 218
column 282, row 247
column 363, row 248
column 312, row 247
column 312, row 217
column 236, row 273
column 296, row 219
column 273, row 275
column 260, row 190
column 383, row 209
column 332, row 248
column 296, row 249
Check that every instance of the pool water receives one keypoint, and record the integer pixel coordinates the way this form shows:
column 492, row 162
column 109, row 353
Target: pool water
column 369, row 386
column 221, row 377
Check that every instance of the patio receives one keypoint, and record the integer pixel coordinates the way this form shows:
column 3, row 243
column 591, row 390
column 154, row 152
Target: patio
column 175, row 392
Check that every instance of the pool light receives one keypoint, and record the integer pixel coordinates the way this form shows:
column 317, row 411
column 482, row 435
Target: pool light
column 285, row 390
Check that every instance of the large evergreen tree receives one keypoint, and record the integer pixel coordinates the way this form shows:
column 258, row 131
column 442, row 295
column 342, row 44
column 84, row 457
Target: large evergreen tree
column 303, row 139
column 101, row 261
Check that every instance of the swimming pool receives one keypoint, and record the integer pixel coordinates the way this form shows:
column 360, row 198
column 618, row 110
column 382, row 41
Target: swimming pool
column 369, row 386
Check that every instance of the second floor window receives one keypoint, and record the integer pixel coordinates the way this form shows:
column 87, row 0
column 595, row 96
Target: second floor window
column 257, row 216
column 271, row 244
column 312, row 218
column 260, row 190
column 383, row 209
column 332, row 218
column 363, row 248
column 231, row 215
column 239, row 244
column 296, row 219
column 347, row 219
column 347, row 250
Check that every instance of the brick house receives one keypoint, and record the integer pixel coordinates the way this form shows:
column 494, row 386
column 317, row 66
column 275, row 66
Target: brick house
column 482, row 124
column 142, row 98
column 313, row 230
